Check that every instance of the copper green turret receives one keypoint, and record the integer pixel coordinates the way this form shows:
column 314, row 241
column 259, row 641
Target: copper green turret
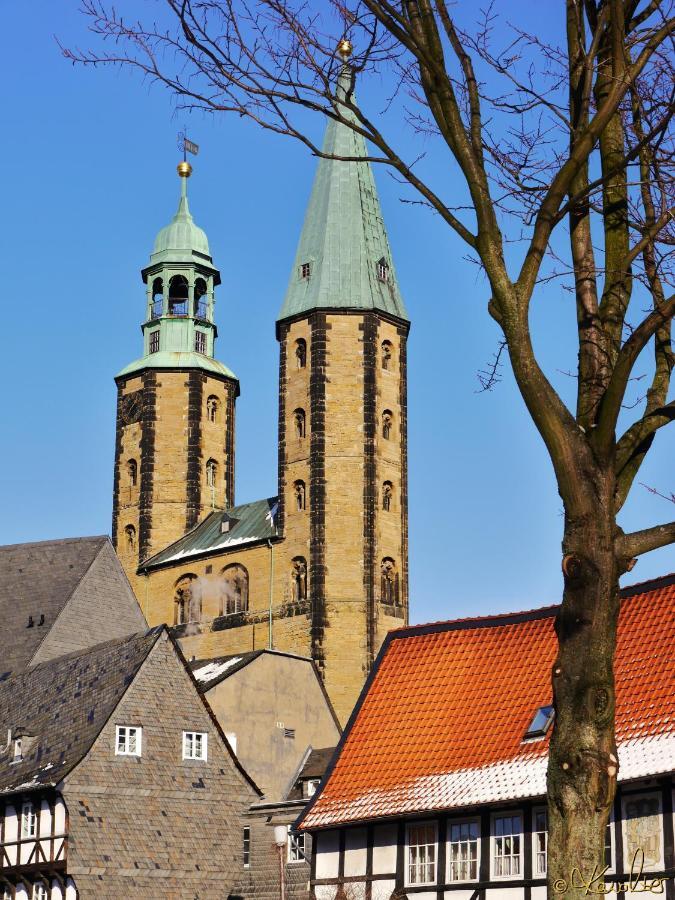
column 179, row 331
column 343, row 260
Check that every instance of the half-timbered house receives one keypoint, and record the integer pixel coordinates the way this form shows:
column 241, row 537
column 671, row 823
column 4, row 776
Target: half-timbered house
column 116, row 779
column 437, row 788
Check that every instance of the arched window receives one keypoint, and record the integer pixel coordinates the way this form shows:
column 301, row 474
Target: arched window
column 211, row 473
column 178, row 296
column 387, row 495
column 387, row 423
column 212, row 408
column 387, row 353
column 157, row 298
column 130, row 535
column 299, row 423
column 132, row 469
column 388, row 581
column 200, row 298
column 234, row 590
column 187, row 600
column 383, row 269
column 301, row 353
column 299, row 494
column 299, row 579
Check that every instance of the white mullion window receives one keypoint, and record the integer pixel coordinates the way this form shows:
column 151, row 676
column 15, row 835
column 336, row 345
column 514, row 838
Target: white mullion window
column 539, row 842
column 422, row 845
column 507, row 845
column 195, row 745
column 128, row 740
column 29, row 820
column 296, row 846
column 463, row 850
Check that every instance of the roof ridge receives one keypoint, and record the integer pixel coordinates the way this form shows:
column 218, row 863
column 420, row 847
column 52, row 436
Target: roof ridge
column 87, row 651
column 52, row 541
column 643, row 587
column 506, row 618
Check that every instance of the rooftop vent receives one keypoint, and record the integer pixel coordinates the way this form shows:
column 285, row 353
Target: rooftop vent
column 540, row 723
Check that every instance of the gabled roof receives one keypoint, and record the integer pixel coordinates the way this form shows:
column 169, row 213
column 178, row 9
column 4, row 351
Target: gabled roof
column 37, row 580
column 440, row 723
column 210, row 672
column 64, row 704
column 249, row 524
column 343, row 236
column 313, row 766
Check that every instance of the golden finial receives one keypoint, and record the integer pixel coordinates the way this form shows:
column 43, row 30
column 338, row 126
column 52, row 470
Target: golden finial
column 184, row 169
column 345, row 48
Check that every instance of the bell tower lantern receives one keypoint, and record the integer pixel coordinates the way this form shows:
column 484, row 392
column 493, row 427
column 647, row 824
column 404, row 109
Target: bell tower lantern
column 174, row 451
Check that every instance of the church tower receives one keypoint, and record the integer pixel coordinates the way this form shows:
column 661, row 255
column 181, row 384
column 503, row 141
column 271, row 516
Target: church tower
column 342, row 418
column 174, row 453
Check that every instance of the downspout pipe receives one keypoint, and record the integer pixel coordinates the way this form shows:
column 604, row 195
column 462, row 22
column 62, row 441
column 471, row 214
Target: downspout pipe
column 270, row 635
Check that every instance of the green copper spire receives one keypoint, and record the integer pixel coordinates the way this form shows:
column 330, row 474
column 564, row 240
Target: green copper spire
column 179, row 331
column 343, row 259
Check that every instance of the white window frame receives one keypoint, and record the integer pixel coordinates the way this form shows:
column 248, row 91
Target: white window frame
column 190, row 737
column 296, row 846
column 627, row 857
column 507, row 814
column 39, row 892
column 537, row 810
column 125, row 730
column 408, row 828
column 448, row 863
column 29, row 820
column 246, row 847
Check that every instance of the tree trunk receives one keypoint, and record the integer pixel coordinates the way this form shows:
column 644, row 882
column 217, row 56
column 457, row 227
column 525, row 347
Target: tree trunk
column 582, row 767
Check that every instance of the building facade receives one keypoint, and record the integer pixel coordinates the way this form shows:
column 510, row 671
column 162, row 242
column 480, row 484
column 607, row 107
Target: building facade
column 116, row 779
column 438, row 787
column 321, row 569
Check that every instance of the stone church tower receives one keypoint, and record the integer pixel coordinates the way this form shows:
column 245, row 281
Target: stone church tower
column 342, row 423
column 174, row 452
column 321, row 569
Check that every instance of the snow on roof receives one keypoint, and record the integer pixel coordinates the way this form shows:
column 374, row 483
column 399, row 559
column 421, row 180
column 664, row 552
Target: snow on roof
column 441, row 723
column 215, row 669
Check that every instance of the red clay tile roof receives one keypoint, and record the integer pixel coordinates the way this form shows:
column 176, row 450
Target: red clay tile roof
column 441, row 722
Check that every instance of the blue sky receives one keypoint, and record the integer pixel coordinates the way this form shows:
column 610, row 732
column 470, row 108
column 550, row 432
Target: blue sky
column 89, row 178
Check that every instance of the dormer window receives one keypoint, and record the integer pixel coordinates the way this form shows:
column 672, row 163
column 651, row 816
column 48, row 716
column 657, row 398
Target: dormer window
column 309, row 787
column 540, row 723
column 305, row 270
column 18, row 749
column 382, row 270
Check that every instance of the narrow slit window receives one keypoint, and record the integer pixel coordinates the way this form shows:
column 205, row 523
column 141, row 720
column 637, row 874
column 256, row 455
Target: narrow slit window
column 246, row 847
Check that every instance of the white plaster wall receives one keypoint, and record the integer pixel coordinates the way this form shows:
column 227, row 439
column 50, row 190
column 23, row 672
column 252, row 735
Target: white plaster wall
column 384, row 850
column 539, row 893
column 11, row 832
column 356, row 841
column 322, row 891
column 505, row 893
column 327, row 855
column 382, row 890
column 459, row 895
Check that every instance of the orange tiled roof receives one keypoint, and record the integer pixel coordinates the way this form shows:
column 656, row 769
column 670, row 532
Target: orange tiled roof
column 441, row 722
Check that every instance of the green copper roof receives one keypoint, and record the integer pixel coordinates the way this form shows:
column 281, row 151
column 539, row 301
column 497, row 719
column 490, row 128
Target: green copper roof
column 167, row 359
column 343, row 237
column 247, row 524
column 181, row 238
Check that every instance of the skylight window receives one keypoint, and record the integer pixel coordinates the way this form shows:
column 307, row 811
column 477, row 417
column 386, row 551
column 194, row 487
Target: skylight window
column 540, row 724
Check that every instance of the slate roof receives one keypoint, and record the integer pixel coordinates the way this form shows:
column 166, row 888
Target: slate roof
column 64, row 703
column 210, row 672
column 441, row 721
column 343, row 236
column 251, row 523
column 38, row 579
column 314, row 766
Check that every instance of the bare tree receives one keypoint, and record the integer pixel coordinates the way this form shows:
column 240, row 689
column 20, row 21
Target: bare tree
column 565, row 152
